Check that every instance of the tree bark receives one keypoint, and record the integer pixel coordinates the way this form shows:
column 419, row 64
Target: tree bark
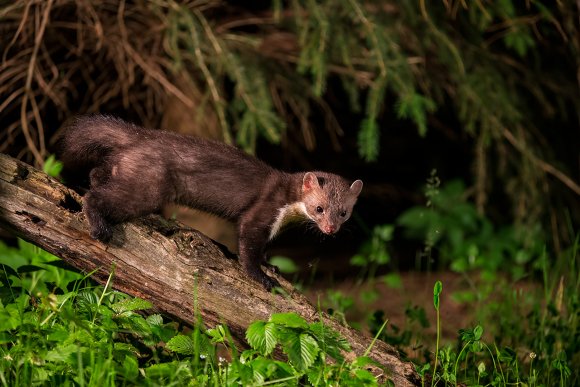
column 177, row 269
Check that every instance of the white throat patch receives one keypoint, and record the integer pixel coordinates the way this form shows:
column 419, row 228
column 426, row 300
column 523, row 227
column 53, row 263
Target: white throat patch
column 289, row 213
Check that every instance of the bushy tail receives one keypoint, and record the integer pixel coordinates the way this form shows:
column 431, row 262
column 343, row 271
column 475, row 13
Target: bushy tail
column 87, row 140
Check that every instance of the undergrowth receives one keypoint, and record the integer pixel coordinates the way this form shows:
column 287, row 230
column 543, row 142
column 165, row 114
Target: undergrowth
column 523, row 301
column 58, row 328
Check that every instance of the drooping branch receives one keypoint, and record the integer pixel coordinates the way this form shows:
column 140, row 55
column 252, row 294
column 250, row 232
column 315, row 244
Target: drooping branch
column 177, row 269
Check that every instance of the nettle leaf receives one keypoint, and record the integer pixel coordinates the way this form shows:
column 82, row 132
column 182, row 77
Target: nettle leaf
column 136, row 323
column 62, row 352
column 58, row 333
column 330, row 341
column 315, row 376
column 268, row 369
column 290, row 320
column 86, row 298
column 174, row 370
column 181, row 344
column 218, row 334
column 9, row 317
column 130, row 367
column 365, row 378
column 155, row 320
column 261, row 336
column 131, row 304
column 126, row 348
column 302, row 350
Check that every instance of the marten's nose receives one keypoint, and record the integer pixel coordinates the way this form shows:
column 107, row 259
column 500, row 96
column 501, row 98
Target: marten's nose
column 329, row 229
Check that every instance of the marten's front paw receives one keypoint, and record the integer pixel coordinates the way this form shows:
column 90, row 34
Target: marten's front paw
column 101, row 231
column 273, row 268
column 267, row 282
column 270, row 283
column 101, row 234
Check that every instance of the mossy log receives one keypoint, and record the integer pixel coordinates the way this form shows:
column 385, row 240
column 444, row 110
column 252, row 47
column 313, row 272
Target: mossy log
column 174, row 267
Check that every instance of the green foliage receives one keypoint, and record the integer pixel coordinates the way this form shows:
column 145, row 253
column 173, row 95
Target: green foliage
column 532, row 331
column 307, row 346
column 284, row 264
column 193, row 42
column 368, row 140
column 416, row 107
column 531, row 336
column 437, row 289
column 58, row 328
column 466, row 240
column 374, row 253
column 52, row 166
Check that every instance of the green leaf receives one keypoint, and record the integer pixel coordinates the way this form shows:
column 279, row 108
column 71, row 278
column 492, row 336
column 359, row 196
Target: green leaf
column 365, row 378
column 131, row 304
column 62, row 352
column 302, row 350
column 155, row 320
column 363, row 361
column 125, row 348
column 286, row 265
column 218, row 334
column 136, row 323
column 59, row 333
column 52, row 166
column 290, row 320
column 464, row 297
column 358, row 260
column 384, row 232
column 436, row 292
column 369, row 296
column 262, row 336
column 393, row 280
column 130, row 367
column 9, row 317
column 481, row 368
column 315, row 376
column 169, row 370
column 507, row 355
column 477, row 332
column 182, row 344
column 330, row 341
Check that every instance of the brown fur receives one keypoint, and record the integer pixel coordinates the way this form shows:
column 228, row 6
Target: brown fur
column 135, row 171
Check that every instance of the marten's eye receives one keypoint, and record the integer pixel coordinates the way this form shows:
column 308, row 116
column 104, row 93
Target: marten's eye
column 343, row 214
column 319, row 209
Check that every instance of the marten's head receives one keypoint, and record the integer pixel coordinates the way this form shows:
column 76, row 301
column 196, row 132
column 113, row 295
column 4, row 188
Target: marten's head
column 329, row 199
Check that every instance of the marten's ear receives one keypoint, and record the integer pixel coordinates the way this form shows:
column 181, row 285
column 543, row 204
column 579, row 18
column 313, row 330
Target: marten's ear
column 310, row 182
column 356, row 187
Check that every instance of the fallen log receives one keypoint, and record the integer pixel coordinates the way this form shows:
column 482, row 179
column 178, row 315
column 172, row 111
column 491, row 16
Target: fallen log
column 176, row 268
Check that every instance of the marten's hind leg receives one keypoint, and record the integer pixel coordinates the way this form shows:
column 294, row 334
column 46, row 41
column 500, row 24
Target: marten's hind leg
column 95, row 207
column 114, row 203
